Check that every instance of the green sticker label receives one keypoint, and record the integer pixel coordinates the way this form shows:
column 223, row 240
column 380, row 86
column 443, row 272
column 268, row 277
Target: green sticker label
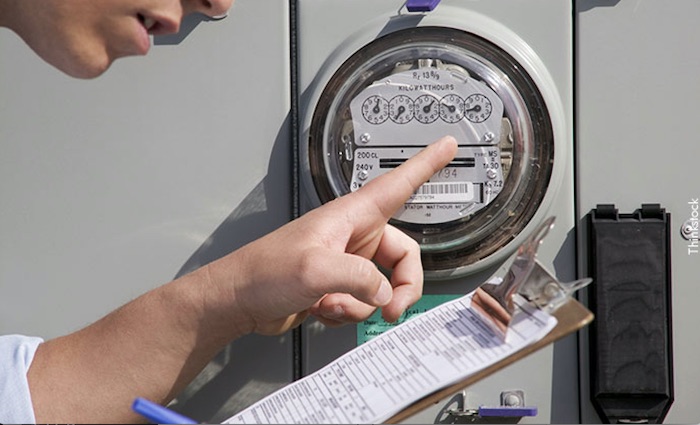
column 375, row 325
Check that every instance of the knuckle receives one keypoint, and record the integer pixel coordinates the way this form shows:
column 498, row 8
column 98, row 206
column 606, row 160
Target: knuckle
column 362, row 274
column 409, row 245
column 412, row 246
column 308, row 267
column 363, row 271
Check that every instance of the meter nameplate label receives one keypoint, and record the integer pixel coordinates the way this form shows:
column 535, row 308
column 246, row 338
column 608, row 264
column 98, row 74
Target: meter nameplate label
column 395, row 117
column 464, row 186
column 419, row 106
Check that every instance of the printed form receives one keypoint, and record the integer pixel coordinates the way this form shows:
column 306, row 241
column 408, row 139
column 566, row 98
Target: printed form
column 383, row 376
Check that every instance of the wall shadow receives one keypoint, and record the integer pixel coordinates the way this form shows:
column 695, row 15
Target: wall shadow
column 253, row 366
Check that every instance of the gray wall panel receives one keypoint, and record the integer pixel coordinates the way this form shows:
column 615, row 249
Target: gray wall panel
column 113, row 186
column 637, row 143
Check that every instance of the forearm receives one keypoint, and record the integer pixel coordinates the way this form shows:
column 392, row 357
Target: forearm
column 319, row 263
column 151, row 347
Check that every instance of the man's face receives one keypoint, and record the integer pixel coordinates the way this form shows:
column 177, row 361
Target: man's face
column 84, row 37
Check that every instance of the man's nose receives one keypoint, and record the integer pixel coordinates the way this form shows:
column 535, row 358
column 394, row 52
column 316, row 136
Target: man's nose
column 210, row 8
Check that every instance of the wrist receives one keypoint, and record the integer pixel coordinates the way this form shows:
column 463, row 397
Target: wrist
column 221, row 298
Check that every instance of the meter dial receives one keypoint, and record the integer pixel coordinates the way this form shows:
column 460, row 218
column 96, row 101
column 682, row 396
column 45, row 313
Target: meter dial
column 480, row 202
column 427, row 108
column 375, row 109
column 477, row 108
column 401, row 109
column 451, row 108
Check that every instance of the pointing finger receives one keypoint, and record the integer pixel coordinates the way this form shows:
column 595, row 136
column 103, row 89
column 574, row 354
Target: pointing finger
column 391, row 190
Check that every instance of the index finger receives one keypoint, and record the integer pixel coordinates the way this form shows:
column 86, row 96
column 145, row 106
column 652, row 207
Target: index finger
column 391, row 190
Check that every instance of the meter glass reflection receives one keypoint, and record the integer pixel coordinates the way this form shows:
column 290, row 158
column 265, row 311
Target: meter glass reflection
column 407, row 89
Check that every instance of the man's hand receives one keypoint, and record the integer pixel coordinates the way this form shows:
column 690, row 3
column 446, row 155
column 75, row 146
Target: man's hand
column 321, row 263
column 318, row 264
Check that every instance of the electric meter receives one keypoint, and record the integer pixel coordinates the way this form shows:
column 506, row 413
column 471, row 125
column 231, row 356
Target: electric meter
column 405, row 90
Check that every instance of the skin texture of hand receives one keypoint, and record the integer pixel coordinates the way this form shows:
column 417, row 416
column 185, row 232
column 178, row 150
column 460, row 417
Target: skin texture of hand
column 321, row 264
column 318, row 264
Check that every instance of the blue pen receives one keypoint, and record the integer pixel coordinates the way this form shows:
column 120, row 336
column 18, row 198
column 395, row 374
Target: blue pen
column 158, row 414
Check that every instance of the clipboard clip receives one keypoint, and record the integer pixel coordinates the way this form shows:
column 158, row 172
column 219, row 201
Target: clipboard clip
column 528, row 277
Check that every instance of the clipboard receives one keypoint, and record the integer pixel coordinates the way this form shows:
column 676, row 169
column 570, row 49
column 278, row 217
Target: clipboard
column 494, row 302
column 303, row 401
column 571, row 317
column 429, row 349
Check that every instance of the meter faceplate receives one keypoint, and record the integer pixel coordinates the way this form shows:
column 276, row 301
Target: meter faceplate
column 403, row 91
column 424, row 104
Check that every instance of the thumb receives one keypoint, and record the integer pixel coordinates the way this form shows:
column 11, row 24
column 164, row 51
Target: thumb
column 354, row 275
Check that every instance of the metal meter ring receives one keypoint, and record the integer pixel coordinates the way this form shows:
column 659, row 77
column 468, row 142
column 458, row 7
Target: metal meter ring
column 404, row 90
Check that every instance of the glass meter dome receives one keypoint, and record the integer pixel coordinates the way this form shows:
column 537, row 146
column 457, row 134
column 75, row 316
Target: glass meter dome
column 405, row 90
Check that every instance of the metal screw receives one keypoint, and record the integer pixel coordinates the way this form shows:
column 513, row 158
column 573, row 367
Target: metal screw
column 362, row 175
column 491, row 173
column 687, row 230
column 364, row 138
column 513, row 398
column 488, row 137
